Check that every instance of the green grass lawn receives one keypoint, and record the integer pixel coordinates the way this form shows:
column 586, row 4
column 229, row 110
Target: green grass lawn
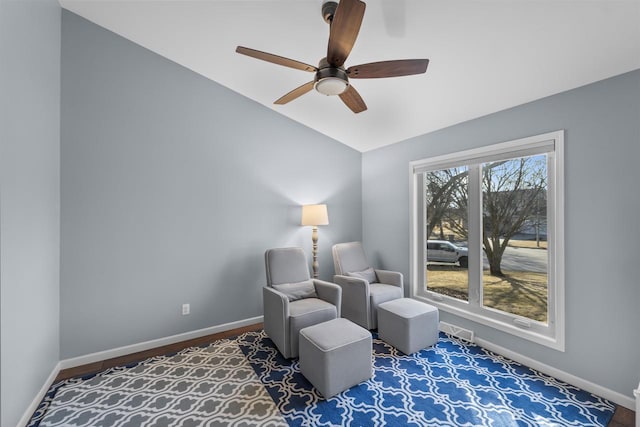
column 520, row 293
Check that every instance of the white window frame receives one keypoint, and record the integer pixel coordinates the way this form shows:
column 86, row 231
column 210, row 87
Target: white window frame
column 550, row 334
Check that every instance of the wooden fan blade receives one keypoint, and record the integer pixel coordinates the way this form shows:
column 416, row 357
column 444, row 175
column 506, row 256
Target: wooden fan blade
column 275, row 59
column 402, row 67
column 297, row 92
column 353, row 100
column 344, row 30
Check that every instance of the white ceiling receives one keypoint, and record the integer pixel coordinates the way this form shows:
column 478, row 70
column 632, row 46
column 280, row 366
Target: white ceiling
column 485, row 55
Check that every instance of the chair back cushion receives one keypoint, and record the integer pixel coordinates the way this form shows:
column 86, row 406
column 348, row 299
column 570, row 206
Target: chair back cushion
column 296, row 291
column 286, row 265
column 349, row 257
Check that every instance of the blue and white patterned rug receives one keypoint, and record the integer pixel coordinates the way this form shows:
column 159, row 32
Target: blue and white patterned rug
column 451, row 384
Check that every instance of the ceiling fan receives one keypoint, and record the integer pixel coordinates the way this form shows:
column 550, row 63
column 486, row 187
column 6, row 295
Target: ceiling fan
column 331, row 78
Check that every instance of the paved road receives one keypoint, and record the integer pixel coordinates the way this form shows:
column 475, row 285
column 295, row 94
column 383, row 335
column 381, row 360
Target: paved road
column 522, row 259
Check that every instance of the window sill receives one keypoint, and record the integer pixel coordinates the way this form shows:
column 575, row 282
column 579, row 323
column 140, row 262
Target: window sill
column 529, row 335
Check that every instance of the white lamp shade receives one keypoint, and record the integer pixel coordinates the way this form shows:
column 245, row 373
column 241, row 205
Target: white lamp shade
column 315, row 215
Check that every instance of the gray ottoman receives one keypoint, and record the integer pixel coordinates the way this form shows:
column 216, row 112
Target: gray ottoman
column 407, row 324
column 335, row 355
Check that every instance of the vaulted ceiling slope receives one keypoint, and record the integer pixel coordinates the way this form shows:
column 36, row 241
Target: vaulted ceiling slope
column 485, row 55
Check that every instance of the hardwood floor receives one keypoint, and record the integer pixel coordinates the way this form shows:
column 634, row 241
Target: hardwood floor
column 96, row 367
column 623, row 417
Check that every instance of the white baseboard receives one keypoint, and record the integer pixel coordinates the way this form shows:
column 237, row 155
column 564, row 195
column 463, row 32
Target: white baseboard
column 614, row 396
column 147, row 345
column 26, row 417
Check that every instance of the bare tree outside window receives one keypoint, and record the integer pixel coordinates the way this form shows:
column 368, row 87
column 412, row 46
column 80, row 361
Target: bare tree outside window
column 514, row 194
column 446, row 197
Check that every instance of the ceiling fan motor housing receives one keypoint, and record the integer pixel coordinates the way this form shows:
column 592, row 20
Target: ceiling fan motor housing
column 330, row 80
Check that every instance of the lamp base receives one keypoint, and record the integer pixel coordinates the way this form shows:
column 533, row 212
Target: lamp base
column 315, row 265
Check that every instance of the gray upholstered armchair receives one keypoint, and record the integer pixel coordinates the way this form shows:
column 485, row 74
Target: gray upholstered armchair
column 292, row 300
column 363, row 288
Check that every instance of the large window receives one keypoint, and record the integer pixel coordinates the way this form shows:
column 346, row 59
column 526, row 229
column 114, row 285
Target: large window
column 487, row 227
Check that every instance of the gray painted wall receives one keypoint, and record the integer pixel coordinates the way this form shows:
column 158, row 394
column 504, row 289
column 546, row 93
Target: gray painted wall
column 602, row 203
column 172, row 189
column 30, row 200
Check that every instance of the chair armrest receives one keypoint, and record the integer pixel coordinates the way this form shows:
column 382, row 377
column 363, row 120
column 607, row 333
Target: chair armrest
column 355, row 299
column 329, row 292
column 390, row 277
column 276, row 318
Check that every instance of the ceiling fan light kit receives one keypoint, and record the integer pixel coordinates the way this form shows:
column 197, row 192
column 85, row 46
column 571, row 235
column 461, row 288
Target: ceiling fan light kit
column 331, row 86
column 331, row 78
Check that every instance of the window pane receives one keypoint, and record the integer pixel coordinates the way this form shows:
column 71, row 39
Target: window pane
column 514, row 215
column 446, row 198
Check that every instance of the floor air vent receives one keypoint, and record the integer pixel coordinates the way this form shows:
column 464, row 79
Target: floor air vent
column 457, row 331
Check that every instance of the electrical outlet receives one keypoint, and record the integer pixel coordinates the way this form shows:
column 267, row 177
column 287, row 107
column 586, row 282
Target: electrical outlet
column 186, row 309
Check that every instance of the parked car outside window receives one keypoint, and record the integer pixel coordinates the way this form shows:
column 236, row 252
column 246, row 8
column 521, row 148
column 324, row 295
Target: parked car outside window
column 444, row 251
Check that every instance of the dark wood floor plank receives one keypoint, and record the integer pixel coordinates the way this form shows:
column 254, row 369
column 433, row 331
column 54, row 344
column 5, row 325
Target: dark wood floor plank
column 623, row 417
column 79, row 371
column 95, row 367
